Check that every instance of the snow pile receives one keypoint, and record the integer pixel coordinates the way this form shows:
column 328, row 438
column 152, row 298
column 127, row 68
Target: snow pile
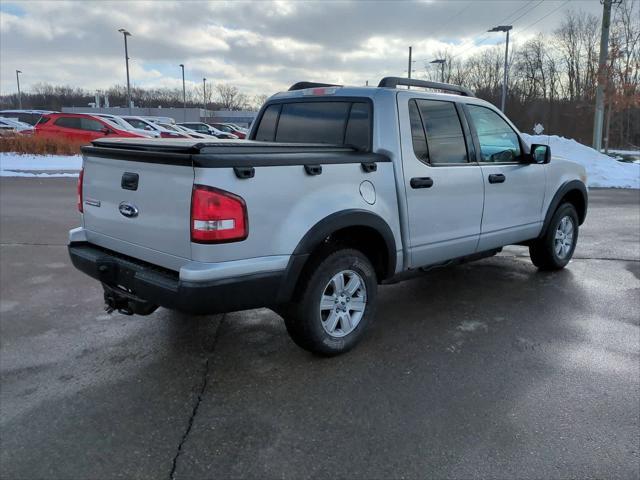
column 602, row 170
column 15, row 165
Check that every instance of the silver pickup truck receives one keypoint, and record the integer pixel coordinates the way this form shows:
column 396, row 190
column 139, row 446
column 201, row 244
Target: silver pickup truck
column 338, row 189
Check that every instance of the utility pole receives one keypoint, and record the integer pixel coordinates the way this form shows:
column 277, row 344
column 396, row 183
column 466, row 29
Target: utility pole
column 504, row 28
column 204, row 96
column 126, row 60
column 410, row 62
column 184, row 96
column 18, row 72
column 441, row 61
column 602, row 60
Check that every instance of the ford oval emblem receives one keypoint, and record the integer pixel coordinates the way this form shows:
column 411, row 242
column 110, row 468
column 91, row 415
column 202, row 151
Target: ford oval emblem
column 128, row 210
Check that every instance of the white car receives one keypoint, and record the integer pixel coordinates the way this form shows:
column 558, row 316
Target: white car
column 188, row 131
column 10, row 126
column 168, row 120
column 144, row 124
column 123, row 124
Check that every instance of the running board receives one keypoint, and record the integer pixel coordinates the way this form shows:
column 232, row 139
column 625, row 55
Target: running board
column 455, row 261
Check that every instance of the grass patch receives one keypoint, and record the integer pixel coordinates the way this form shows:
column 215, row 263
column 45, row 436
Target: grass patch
column 36, row 145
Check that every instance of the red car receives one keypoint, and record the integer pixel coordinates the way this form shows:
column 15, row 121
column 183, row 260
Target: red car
column 229, row 129
column 79, row 127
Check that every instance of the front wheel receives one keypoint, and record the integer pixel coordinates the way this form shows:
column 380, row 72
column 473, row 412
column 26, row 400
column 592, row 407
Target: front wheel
column 336, row 304
column 555, row 248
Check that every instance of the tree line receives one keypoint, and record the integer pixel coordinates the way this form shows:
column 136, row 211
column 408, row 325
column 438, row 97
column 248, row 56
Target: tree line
column 553, row 78
column 552, row 81
column 222, row 96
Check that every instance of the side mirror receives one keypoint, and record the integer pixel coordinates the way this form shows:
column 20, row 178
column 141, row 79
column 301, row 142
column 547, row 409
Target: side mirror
column 540, row 154
column 105, row 130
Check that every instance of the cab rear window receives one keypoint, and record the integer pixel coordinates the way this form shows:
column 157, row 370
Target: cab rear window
column 331, row 122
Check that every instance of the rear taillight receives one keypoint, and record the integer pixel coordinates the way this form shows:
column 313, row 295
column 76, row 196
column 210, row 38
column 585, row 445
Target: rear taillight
column 217, row 216
column 79, row 197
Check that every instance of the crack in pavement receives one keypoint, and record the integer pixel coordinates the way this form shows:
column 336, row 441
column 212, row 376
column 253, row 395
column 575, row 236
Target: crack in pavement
column 194, row 411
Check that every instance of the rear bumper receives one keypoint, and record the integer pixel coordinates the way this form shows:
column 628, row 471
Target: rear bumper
column 165, row 288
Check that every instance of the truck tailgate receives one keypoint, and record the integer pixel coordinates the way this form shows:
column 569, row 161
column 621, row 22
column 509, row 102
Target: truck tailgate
column 144, row 203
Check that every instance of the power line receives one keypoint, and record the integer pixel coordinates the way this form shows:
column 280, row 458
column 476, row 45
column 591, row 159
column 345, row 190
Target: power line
column 486, row 35
column 526, row 13
column 543, row 17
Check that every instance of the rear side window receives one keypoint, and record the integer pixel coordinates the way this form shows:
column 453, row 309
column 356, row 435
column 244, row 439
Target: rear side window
column 68, row 122
column 331, row 122
column 358, row 127
column 29, row 118
column 43, row 120
column 445, row 139
column 267, row 128
column 91, row 124
column 418, row 137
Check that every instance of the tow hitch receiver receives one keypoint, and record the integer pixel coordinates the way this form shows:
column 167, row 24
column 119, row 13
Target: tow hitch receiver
column 125, row 303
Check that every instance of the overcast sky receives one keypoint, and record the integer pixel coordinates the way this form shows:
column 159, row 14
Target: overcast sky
column 259, row 46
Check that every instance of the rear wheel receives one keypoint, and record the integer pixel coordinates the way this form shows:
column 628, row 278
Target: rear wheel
column 335, row 305
column 555, row 248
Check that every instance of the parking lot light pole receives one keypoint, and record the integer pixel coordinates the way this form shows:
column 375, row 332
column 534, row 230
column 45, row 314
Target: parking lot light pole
column 126, row 60
column 18, row 72
column 441, row 61
column 504, row 28
column 204, row 96
column 184, row 96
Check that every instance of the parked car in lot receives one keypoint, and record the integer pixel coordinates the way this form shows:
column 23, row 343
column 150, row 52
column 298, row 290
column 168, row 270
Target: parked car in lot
column 144, row 124
column 27, row 116
column 156, row 119
column 207, row 129
column 123, row 124
column 190, row 133
column 337, row 190
column 223, row 127
column 9, row 126
column 79, row 127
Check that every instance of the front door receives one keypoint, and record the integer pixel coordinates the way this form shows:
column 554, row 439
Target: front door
column 514, row 187
column 444, row 190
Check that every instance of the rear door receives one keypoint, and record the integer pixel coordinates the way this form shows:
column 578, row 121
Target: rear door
column 139, row 207
column 444, row 188
column 514, row 188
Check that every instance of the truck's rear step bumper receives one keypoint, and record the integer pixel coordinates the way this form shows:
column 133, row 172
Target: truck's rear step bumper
column 163, row 287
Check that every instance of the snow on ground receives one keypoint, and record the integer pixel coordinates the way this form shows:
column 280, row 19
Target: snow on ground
column 602, row 170
column 16, row 165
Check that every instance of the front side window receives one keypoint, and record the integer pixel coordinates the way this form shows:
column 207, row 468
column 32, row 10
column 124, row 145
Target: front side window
column 445, row 138
column 498, row 141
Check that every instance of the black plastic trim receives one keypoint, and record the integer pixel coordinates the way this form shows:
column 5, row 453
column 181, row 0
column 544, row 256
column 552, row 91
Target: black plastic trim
column 135, row 155
column 564, row 189
column 157, row 287
column 343, row 156
column 343, row 219
column 313, row 169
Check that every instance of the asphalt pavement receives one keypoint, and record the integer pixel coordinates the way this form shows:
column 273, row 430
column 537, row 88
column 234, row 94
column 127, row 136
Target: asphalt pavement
column 485, row 370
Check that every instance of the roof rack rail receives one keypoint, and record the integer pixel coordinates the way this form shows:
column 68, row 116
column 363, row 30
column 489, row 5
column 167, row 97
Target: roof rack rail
column 393, row 82
column 303, row 85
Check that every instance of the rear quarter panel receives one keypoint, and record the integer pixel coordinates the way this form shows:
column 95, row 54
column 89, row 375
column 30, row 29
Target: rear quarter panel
column 284, row 203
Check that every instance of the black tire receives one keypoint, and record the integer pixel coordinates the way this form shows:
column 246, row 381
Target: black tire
column 303, row 318
column 543, row 252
